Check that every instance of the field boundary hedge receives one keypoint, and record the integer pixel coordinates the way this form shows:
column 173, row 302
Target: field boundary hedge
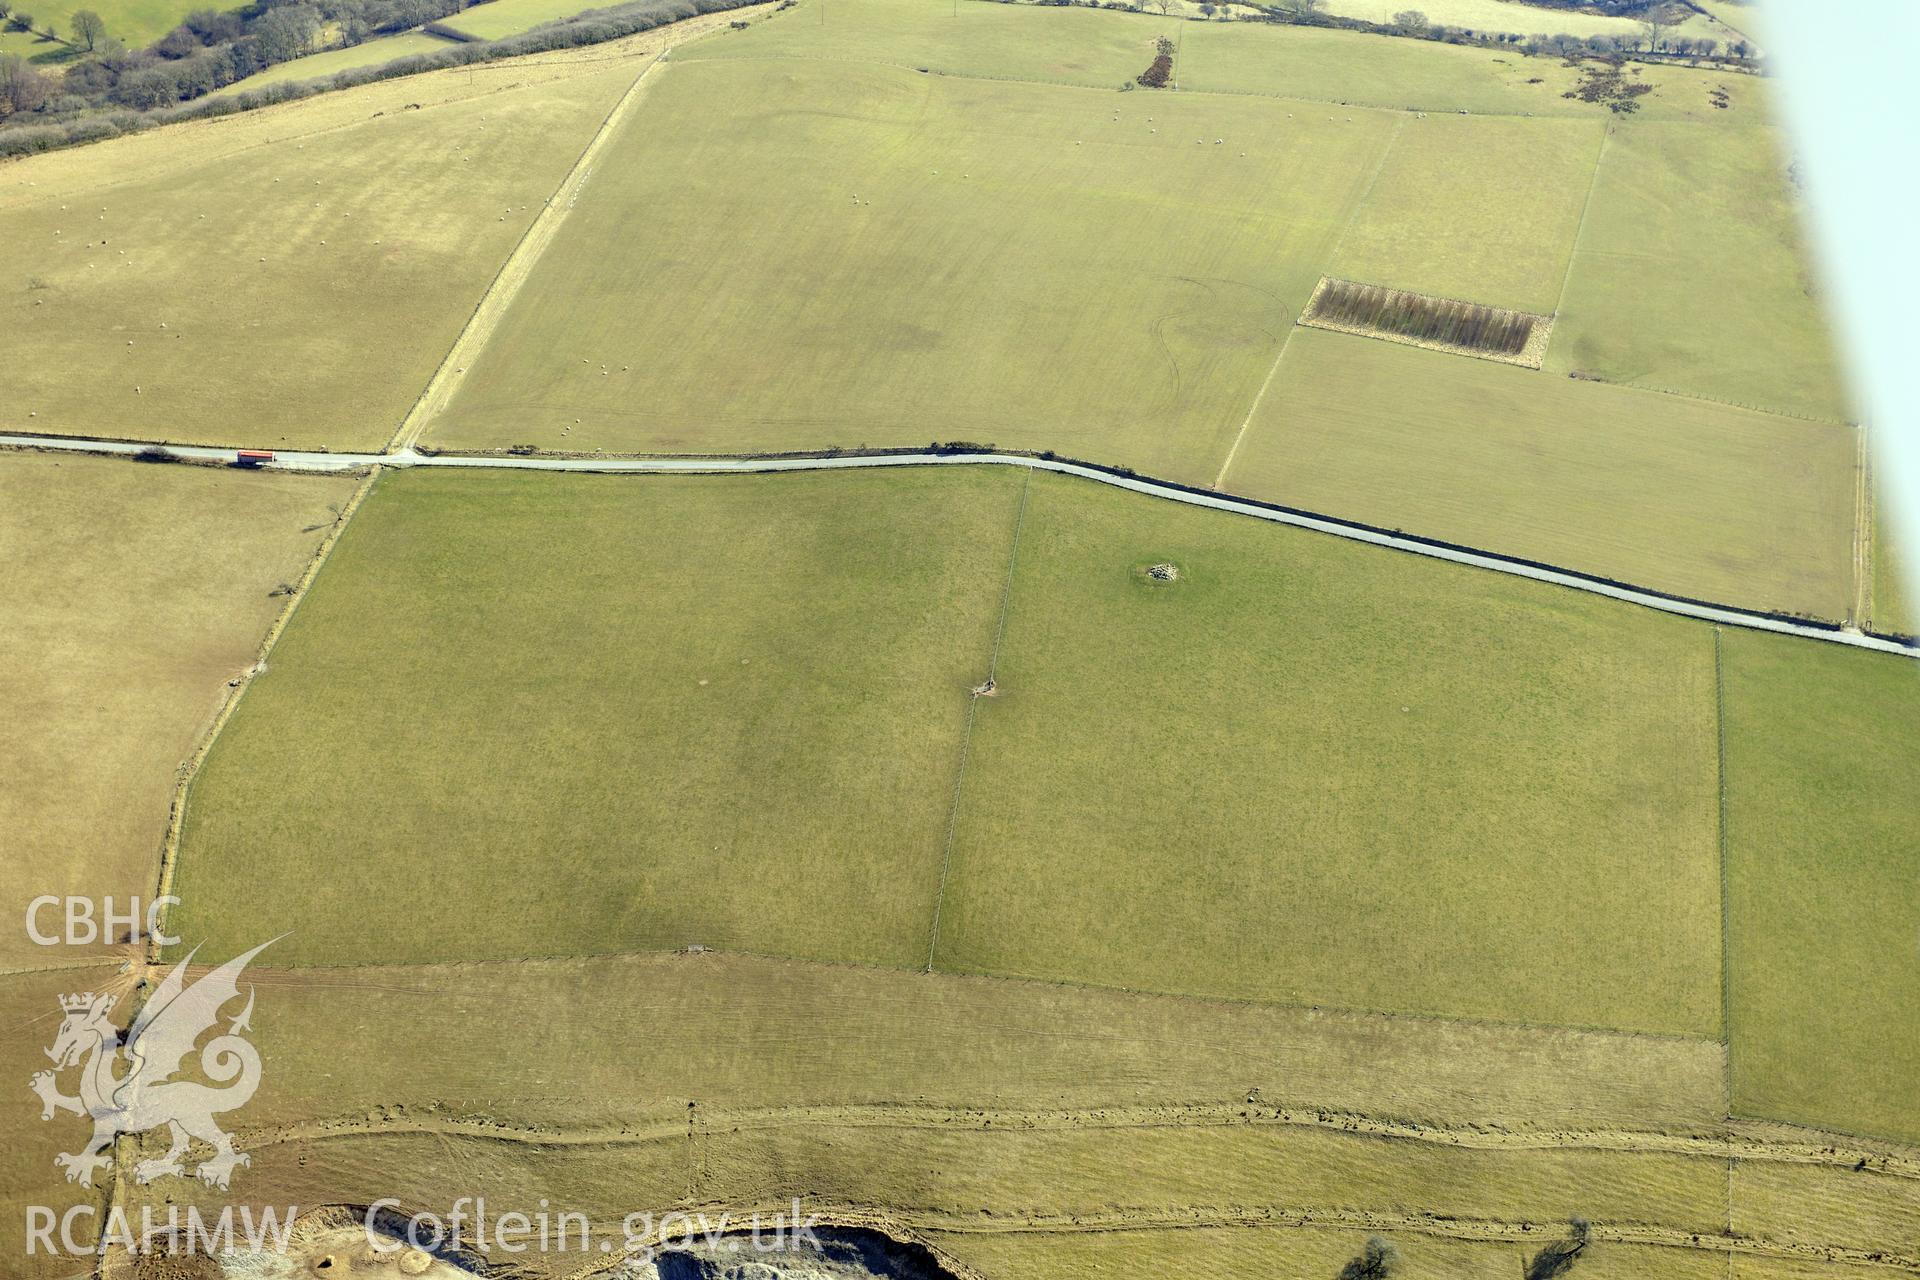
column 594, row 26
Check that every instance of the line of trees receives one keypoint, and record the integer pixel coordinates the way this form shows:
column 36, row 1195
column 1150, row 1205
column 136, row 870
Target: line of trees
column 1414, row 315
column 1656, row 33
column 46, row 131
column 1379, row 1260
column 208, row 50
column 1654, row 37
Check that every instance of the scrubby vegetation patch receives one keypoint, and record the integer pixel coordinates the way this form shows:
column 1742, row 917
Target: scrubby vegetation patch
column 1160, row 73
column 1517, row 337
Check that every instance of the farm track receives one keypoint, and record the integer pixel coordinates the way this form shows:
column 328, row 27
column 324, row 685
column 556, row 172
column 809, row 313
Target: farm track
column 1732, row 1145
column 514, row 272
column 1358, row 203
column 1727, row 615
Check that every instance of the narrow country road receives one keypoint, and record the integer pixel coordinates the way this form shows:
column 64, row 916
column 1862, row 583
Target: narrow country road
column 1722, row 614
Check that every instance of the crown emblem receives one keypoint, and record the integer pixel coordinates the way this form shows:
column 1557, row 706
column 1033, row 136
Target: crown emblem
column 79, row 1001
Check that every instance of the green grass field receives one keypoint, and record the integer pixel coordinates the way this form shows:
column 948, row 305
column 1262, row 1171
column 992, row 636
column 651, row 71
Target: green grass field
column 939, row 1095
column 689, row 646
column 1069, row 1255
column 134, row 593
column 1251, row 1253
column 1342, row 67
column 1893, row 582
column 749, row 1040
column 1823, row 837
column 1691, row 275
column 47, row 55
column 914, row 280
column 1686, row 496
column 841, row 621
column 496, row 18
column 889, row 258
column 1524, row 19
column 1474, row 207
column 994, row 41
column 368, row 53
column 135, row 23
column 976, row 1109
column 1103, row 49
column 290, row 278
column 1281, row 778
column 30, row 1011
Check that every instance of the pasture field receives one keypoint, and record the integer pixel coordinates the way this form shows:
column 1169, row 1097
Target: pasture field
column 1691, row 275
column 921, row 274
column 1893, row 582
column 974, row 1106
column 755, row 1034
column 368, row 53
column 1739, row 16
column 497, row 18
column 47, row 55
column 634, row 662
column 133, row 594
column 1685, row 496
column 994, row 41
column 1525, row 19
column 1480, row 208
column 1361, row 69
column 1257, row 1252
column 1312, row 773
column 970, row 1177
column 1579, row 737
column 1103, row 49
column 164, row 264
column 135, row 23
column 1823, row 835
column 29, row 1016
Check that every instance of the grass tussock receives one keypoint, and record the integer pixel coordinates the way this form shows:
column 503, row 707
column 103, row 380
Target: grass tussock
column 1416, row 316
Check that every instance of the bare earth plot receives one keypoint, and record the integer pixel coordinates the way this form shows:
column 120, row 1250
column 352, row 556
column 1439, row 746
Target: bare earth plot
column 133, row 594
column 287, row 278
column 1691, row 274
column 1681, row 495
column 1823, row 823
column 1310, row 773
column 723, row 713
column 887, row 258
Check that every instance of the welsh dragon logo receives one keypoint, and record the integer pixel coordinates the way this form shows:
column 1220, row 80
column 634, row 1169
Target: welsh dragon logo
column 145, row 1095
